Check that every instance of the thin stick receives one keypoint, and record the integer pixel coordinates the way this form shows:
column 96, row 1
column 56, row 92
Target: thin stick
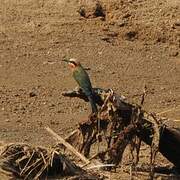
column 22, row 171
column 98, row 128
column 94, row 156
column 71, row 134
column 168, row 110
column 67, row 145
column 101, row 165
column 38, row 162
column 176, row 120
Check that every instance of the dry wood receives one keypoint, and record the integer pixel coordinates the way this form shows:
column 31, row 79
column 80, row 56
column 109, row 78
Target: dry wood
column 116, row 114
column 67, row 145
column 22, row 161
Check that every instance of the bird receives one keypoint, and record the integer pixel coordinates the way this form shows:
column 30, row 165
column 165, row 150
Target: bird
column 82, row 78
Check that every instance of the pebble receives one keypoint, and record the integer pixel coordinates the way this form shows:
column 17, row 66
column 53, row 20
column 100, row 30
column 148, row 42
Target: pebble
column 131, row 35
column 121, row 23
column 174, row 53
column 32, row 94
column 26, row 139
column 112, row 34
column 105, row 38
column 177, row 23
column 127, row 15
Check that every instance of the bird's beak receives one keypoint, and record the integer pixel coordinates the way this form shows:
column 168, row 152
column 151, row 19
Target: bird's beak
column 87, row 68
column 66, row 60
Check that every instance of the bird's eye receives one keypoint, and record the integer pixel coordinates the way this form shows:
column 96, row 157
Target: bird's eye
column 74, row 63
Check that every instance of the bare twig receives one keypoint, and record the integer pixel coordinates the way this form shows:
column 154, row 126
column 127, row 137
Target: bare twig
column 169, row 110
column 67, row 145
column 116, row 114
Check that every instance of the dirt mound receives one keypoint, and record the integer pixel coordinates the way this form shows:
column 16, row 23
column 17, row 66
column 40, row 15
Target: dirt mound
column 147, row 21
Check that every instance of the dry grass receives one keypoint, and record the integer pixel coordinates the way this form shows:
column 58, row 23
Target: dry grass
column 27, row 162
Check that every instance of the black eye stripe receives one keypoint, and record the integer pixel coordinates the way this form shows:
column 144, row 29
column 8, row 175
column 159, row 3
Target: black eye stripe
column 73, row 63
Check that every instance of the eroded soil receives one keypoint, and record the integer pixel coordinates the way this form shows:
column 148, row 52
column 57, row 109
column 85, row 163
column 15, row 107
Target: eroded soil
column 137, row 43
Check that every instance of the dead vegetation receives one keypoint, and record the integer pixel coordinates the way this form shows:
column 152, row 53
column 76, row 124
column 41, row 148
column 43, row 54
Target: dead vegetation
column 118, row 124
column 104, row 137
column 26, row 162
column 153, row 22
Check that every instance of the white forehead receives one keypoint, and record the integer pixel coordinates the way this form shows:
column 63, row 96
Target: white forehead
column 72, row 59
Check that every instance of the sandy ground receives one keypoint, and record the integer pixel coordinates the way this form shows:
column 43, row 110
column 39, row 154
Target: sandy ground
column 138, row 43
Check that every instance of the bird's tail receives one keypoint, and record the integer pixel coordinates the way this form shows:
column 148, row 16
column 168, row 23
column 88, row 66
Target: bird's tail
column 93, row 104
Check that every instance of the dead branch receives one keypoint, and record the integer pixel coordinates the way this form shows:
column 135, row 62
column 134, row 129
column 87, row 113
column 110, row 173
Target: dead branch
column 67, row 145
column 116, row 116
column 26, row 162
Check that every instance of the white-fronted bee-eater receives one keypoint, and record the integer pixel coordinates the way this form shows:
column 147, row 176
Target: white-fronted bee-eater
column 83, row 80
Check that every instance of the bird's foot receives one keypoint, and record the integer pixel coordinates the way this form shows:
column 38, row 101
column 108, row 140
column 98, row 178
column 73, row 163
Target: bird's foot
column 92, row 116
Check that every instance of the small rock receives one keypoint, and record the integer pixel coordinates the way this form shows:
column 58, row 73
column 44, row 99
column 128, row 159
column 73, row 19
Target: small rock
column 54, row 122
column 49, row 62
column 105, row 38
column 40, row 123
column 161, row 40
column 162, row 88
column 32, row 94
column 18, row 121
column 112, row 23
column 92, row 9
column 121, row 23
column 7, row 120
column 174, row 53
column 26, row 139
column 60, row 111
column 105, row 29
column 112, row 34
column 82, row 11
column 177, row 23
column 131, row 35
column 127, row 15
column 99, row 11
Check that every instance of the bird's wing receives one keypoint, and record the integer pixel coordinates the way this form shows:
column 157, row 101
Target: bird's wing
column 83, row 80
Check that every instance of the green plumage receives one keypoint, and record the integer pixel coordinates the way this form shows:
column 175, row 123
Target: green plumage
column 82, row 78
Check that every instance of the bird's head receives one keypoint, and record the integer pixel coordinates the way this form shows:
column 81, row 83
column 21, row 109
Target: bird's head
column 73, row 63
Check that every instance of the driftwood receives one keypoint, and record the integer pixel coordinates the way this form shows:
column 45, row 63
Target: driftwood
column 67, row 145
column 117, row 124
column 22, row 161
column 120, row 122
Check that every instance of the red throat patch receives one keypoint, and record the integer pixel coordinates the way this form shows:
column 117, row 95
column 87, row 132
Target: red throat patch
column 71, row 65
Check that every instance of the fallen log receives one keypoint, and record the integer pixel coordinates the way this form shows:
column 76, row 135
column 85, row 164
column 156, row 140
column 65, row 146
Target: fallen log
column 115, row 109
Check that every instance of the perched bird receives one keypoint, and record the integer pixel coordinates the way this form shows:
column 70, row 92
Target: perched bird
column 82, row 78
